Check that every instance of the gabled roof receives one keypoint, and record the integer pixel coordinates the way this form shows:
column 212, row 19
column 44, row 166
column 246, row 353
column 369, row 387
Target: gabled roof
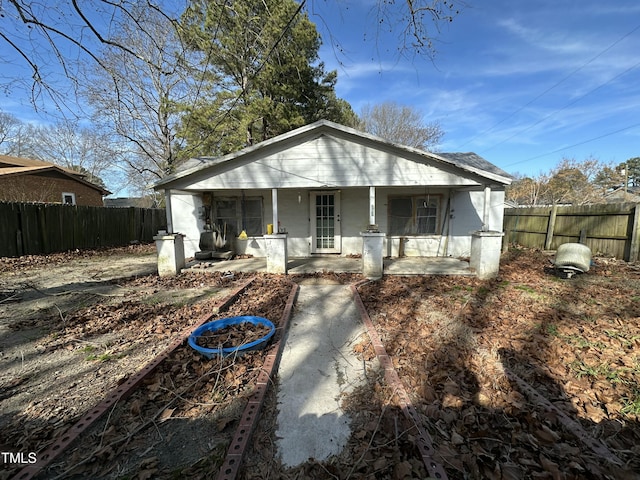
column 27, row 166
column 474, row 161
column 468, row 162
column 621, row 194
column 9, row 161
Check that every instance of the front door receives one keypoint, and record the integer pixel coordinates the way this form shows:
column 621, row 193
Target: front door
column 325, row 222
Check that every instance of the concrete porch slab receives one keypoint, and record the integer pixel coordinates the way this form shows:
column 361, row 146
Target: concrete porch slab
column 426, row 266
column 337, row 264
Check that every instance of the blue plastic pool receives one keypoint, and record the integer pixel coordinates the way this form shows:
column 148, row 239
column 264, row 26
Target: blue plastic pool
column 226, row 322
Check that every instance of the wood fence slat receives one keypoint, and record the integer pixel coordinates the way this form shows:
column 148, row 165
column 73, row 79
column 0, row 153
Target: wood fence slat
column 634, row 246
column 34, row 229
column 9, row 236
column 604, row 228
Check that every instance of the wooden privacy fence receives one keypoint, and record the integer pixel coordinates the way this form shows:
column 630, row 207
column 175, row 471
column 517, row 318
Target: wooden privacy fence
column 33, row 228
column 607, row 229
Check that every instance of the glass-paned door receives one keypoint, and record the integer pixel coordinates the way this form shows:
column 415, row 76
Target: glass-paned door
column 325, row 222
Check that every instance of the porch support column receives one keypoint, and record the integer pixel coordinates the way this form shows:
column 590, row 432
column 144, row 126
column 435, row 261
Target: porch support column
column 276, row 243
column 487, row 208
column 372, row 209
column 170, row 247
column 372, row 243
column 274, row 202
column 372, row 258
column 167, row 202
column 485, row 253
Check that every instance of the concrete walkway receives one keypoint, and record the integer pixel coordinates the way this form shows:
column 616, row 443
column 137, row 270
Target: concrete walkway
column 317, row 367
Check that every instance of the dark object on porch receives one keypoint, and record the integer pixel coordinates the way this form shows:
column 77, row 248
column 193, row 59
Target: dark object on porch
column 211, row 246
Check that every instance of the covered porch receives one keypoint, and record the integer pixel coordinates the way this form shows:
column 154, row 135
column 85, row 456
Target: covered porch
column 325, row 189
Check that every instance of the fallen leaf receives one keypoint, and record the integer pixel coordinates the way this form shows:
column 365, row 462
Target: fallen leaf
column 166, row 414
column 147, row 474
column 402, row 470
column 380, row 463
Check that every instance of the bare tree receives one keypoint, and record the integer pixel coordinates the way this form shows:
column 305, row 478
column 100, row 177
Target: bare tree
column 573, row 182
column 400, row 124
column 8, row 125
column 16, row 136
column 414, row 22
column 569, row 182
column 144, row 70
column 52, row 39
column 135, row 99
column 525, row 190
column 72, row 146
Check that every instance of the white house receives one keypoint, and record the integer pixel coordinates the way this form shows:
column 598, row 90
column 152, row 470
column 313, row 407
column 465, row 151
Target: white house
column 322, row 186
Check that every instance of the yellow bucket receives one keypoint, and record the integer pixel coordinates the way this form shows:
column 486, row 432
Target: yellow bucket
column 270, row 229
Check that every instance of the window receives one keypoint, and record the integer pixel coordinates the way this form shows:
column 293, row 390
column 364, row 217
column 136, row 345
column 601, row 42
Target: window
column 68, row 198
column 416, row 215
column 239, row 213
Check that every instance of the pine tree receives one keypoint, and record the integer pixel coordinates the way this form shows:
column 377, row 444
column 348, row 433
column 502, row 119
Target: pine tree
column 261, row 74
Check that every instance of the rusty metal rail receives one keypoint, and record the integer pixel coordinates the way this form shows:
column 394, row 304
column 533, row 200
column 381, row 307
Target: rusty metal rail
column 251, row 415
column 423, row 440
column 571, row 425
column 121, row 392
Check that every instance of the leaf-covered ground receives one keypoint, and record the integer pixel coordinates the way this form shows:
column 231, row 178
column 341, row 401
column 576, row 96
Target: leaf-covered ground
column 461, row 345
column 523, row 376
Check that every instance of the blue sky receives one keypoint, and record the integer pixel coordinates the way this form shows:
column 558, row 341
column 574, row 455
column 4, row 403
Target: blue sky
column 522, row 83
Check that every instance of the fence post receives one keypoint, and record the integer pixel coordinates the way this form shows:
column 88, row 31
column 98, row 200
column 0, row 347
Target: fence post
column 635, row 235
column 505, row 241
column 583, row 237
column 551, row 227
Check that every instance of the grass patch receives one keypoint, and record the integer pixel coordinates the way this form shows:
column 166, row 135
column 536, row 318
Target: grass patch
column 582, row 342
column 603, row 370
column 526, row 288
column 152, row 300
column 103, row 357
column 622, row 338
column 631, row 405
column 552, row 330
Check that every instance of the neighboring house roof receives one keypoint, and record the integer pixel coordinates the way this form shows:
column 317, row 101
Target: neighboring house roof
column 620, row 194
column 121, row 202
column 27, row 166
column 472, row 160
column 467, row 162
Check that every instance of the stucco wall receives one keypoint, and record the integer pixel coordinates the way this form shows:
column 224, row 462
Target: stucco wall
column 466, row 216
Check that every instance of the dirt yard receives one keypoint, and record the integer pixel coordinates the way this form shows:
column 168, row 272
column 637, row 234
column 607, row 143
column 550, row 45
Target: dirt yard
column 523, row 376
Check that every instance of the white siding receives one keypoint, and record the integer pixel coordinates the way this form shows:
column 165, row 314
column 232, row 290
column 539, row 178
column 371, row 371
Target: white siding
column 322, row 163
